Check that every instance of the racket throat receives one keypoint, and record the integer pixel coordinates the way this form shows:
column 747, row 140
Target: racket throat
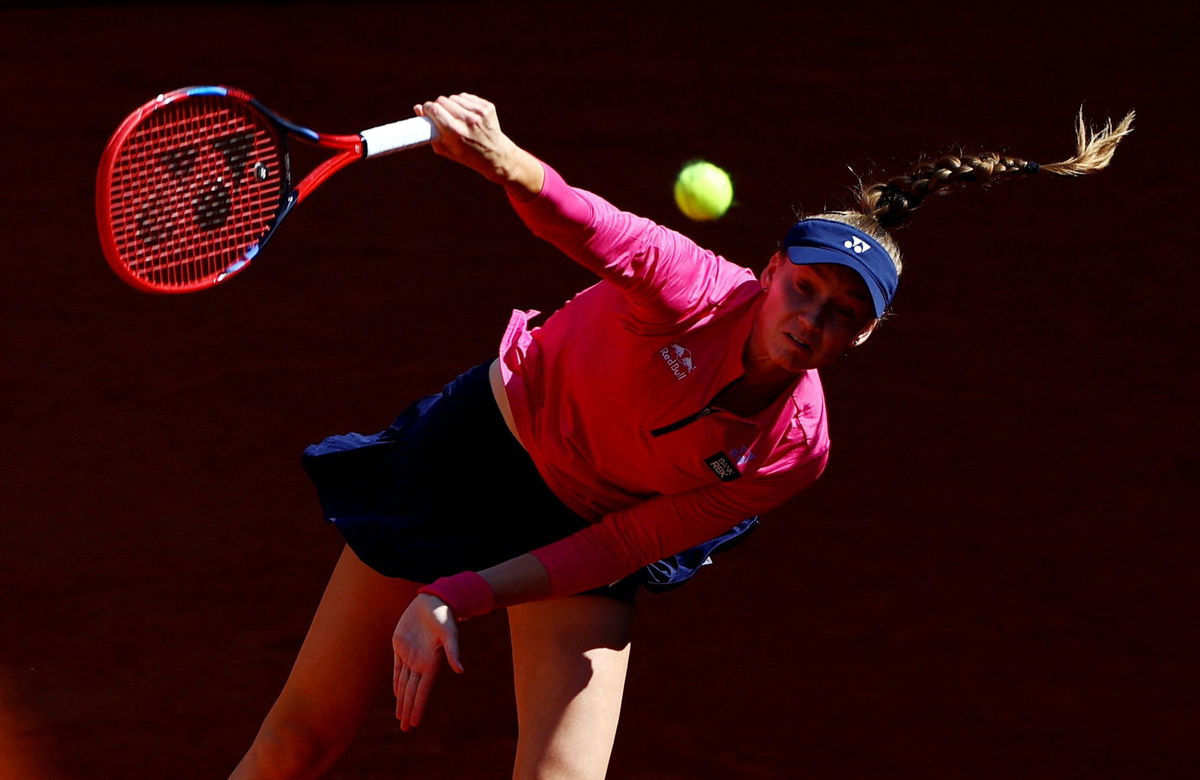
column 325, row 170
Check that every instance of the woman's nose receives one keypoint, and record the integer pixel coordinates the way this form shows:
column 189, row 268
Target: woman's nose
column 808, row 316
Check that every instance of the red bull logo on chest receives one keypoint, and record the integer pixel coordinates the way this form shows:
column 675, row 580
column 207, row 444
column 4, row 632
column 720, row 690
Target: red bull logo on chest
column 678, row 359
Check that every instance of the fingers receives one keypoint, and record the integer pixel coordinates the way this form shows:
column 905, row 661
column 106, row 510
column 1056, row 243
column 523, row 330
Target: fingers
column 412, row 688
column 475, row 103
column 412, row 696
column 466, row 102
column 461, row 113
column 400, row 690
column 408, row 714
column 414, row 700
column 405, row 689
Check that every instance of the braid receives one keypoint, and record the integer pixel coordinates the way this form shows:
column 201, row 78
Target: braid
column 891, row 203
column 888, row 205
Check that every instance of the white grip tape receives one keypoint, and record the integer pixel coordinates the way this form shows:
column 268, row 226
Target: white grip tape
column 398, row 135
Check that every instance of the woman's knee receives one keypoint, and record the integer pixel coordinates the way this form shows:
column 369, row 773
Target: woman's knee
column 290, row 749
column 343, row 666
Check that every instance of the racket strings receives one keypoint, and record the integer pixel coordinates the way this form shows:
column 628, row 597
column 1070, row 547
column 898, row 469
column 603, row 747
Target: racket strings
column 194, row 188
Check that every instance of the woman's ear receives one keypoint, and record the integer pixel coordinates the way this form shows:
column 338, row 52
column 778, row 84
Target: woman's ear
column 772, row 268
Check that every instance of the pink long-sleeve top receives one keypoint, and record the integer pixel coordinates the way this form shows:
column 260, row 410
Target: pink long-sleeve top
column 612, row 396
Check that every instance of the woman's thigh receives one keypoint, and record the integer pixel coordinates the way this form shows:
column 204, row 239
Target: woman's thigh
column 569, row 661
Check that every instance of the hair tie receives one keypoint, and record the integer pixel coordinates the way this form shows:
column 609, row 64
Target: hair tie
column 892, row 194
column 1031, row 167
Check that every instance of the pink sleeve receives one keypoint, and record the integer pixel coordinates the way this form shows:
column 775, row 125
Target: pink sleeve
column 665, row 275
column 625, row 541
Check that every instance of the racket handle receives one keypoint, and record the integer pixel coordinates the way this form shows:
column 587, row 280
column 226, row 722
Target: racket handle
column 405, row 134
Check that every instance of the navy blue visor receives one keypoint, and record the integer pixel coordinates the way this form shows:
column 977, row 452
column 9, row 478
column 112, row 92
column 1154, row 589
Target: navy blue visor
column 814, row 241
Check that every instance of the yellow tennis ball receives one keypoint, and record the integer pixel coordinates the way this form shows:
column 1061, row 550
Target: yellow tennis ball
column 703, row 191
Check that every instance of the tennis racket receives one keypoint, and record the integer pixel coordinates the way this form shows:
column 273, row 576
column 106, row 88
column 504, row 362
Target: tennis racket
column 195, row 182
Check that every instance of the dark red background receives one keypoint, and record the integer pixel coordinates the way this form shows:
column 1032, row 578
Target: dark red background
column 995, row 576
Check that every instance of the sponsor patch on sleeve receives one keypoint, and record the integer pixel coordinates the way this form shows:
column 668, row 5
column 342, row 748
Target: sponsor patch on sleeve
column 723, row 467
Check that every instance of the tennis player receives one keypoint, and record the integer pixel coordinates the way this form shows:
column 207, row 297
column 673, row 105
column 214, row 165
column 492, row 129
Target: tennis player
column 640, row 430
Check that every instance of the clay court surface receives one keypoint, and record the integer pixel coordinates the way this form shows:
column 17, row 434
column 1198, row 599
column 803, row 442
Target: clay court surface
column 995, row 577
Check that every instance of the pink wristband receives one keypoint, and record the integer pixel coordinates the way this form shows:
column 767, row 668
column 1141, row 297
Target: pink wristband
column 466, row 593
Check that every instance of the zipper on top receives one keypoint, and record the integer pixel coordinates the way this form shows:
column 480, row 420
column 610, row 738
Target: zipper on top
column 691, row 418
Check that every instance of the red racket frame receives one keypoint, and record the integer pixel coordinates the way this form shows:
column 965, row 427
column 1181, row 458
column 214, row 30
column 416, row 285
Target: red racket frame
column 350, row 148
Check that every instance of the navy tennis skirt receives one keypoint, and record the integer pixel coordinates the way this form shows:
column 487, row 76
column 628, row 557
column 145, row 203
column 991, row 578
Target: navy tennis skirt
column 447, row 488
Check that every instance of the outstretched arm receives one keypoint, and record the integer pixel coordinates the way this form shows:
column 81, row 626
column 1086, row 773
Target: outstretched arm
column 469, row 133
column 666, row 276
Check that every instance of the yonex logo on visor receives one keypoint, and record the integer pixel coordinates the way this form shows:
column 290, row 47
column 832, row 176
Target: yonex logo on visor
column 814, row 241
column 857, row 244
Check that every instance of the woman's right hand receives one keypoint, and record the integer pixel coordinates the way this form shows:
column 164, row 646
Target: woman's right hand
column 469, row 133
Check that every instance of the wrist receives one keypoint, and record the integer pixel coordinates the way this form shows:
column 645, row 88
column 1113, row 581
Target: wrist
column 467, row 594
column 521, row 175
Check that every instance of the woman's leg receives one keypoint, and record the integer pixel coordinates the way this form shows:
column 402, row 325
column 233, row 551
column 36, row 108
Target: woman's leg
column 569, row 662
column 344, row 664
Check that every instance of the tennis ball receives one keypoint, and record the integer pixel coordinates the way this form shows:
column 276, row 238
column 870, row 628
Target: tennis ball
column 703, row 191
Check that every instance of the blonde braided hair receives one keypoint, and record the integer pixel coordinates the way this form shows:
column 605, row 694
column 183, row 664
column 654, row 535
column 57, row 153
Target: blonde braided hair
column 887, row 205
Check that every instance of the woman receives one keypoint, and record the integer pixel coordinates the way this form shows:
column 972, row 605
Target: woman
column 658, row 411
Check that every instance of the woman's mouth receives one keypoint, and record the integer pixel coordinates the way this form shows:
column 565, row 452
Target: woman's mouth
column 799, row 344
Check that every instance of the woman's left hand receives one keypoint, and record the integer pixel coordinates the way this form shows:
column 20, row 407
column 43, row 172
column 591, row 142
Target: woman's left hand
column 426, row 627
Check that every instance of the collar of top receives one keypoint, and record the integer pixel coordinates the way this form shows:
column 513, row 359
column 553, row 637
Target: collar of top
column 813, row 241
